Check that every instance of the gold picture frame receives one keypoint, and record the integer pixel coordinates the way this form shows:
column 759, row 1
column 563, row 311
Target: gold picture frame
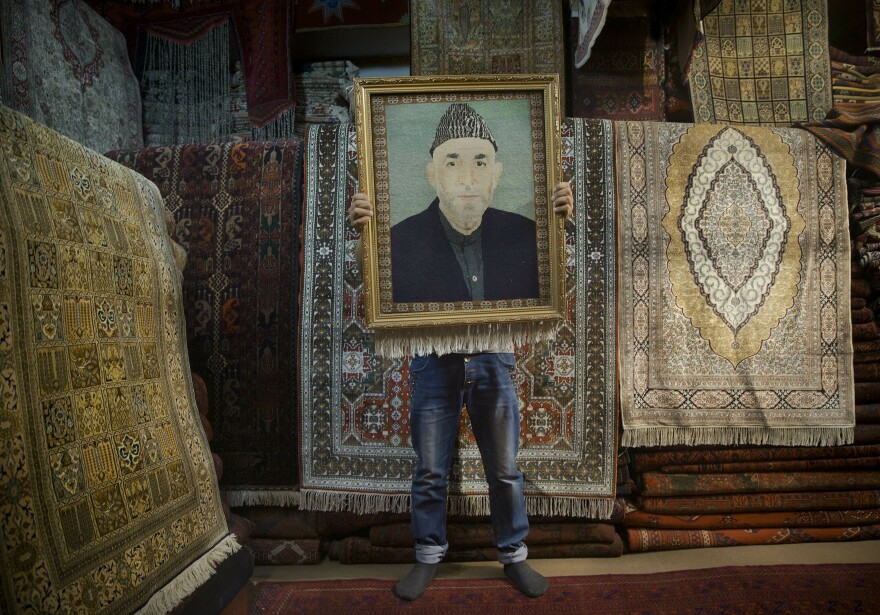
column 428, row 195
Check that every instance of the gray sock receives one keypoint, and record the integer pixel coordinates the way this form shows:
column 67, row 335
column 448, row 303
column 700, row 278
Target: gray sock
column 527, row 580
column 416, row 581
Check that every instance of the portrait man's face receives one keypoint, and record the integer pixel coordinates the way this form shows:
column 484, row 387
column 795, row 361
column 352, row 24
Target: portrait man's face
column 465, row 174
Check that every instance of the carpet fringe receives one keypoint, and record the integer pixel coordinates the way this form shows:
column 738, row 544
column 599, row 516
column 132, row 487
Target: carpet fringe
column 359, row 503
column 468, row 505
column 774, row 436
column 267, row 497
column 186, row 582
column 409, row 341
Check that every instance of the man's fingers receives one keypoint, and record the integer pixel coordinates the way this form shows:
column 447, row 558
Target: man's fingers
column 361, row 210
column 563, row 199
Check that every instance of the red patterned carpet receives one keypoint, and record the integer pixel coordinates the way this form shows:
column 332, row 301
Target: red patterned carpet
column 837, row 588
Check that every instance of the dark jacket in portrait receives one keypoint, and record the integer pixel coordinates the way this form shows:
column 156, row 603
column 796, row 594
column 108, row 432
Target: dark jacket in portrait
column 424, row 267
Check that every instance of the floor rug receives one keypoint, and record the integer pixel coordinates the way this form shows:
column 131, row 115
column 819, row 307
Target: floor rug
column 839, row 588
column 487, row 37
column 67, row 68
column 734, row 287
column 237, row 212
column 762, row 63
column 110, row 500
column 355, row 420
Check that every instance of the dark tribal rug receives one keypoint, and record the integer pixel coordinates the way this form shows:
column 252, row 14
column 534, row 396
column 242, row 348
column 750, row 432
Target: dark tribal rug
column 838, row 588
column 236, row 210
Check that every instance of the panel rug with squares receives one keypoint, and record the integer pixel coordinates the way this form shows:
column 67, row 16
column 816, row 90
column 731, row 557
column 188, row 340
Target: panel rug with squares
column 109, row 498
column 762, row 62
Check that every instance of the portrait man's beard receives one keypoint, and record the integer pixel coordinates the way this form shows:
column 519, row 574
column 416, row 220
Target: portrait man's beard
column 470, row 208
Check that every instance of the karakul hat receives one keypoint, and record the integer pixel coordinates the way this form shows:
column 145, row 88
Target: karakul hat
column 461, row 121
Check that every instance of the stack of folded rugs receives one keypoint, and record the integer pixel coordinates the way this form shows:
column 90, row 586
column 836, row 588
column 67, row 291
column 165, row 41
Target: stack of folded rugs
column 323, row 93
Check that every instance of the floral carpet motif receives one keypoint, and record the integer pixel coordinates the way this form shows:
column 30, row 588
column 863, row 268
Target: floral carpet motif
column 66, row 67
column 356, row 452
column 734, row 308
column 107, row 483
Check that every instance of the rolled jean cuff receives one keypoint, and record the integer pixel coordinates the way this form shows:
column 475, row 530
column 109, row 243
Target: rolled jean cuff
column 512, row 557
column 431, row 554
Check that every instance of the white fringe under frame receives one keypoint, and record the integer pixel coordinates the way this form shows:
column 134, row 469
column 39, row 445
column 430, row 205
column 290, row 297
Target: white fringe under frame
column 773, row 436
column 194, row 576
column 472, row 505
column 409, row 341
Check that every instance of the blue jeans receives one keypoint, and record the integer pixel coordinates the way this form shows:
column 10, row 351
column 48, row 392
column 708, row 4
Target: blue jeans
column 439, row 388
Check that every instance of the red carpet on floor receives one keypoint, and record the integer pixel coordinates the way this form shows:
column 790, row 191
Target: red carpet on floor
column 833, row 588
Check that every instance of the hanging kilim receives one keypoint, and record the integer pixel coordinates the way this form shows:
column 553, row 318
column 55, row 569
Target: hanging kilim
column 66, row 67
column 734, row 287
column 110, row 499
column 186, row 82
column 458, row 37
column 356, row 452
column 263, row 30
column 236, row 208
column 762, row 62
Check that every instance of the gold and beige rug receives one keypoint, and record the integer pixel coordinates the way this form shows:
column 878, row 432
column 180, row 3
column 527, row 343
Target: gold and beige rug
column 762, row 62
column 109, row 497
column 734, row 253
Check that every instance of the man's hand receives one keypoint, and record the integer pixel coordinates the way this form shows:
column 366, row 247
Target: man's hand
column 359, row 213
column 361, row 210
column 563, row 199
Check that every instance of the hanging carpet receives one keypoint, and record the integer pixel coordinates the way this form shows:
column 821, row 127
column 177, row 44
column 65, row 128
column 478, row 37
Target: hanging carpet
column 591, row 17
column 186, row 82
column 734, row 287
column 762, row 63
column 449, row 37
column 623, row 79
column 67, row 68
column 324, row 14
column 263, row 29
column 110, row 500
column 236, row 209
column 354, row 404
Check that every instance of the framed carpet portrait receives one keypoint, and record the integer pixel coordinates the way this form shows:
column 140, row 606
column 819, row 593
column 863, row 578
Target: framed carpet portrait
column 460, row 171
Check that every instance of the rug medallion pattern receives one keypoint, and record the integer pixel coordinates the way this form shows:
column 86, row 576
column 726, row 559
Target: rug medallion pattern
column 356, row 451
column 107, row 481
column 734, row 309
column 762, row 62
column 65, row 66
